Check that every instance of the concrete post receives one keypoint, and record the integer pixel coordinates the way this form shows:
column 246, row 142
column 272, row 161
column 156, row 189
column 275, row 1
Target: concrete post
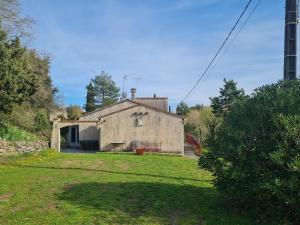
column 290, row 47
column 55, row 137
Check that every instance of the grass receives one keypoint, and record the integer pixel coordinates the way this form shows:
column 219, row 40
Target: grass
column 106, row 188
column 12, row 133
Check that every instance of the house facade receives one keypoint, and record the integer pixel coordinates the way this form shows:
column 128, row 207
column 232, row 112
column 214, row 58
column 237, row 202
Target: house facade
column 126, row 125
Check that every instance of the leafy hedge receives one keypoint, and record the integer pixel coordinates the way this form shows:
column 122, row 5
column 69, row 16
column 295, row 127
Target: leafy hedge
column 12, row 133
column 255, row 154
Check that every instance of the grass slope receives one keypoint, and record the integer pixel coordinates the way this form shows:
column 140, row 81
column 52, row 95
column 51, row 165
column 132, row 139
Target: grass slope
column 12, row 133
column 105, row 188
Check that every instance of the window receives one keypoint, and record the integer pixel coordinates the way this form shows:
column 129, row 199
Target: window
column 139, row 122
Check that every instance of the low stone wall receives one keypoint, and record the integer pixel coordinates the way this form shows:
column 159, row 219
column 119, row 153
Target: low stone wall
column 22, row 146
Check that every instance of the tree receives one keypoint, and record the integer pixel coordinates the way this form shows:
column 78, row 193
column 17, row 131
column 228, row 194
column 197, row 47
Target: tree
column 105, row 90
column 90, row 98
column 74, row 112
column 12, row 21
column 182, row 109
column 17, row 80
column 228, row 95
column 40, row 66
column 197, row 107
column 41, row 121
column 255, row 153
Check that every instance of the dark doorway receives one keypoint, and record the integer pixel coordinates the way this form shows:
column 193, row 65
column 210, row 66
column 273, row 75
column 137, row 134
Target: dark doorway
column 73, row 134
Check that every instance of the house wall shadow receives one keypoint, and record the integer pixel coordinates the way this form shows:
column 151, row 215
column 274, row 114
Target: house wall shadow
column 169, row 202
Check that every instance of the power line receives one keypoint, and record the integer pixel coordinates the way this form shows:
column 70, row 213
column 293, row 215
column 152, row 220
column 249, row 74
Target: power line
column 233, row 39
column 220, row 49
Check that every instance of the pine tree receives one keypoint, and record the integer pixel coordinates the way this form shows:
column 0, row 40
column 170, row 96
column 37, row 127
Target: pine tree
column 228, row 95
column 105, row 90
column 182, row 109
column 90, row 98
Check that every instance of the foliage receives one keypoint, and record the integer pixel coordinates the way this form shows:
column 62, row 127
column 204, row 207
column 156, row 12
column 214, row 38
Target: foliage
column 197, row 107
column 197, row 123
column 255, row 153
column 105, row 90
column 182, row 109
column 212, row 125
column 90, row 98
column 228, row 95
column 107, row 188
column 27, row 94
column 17, row 81
column 74, row 112
column 43, row 98
column 41, row 122
column 12, row 133
column 23, row 116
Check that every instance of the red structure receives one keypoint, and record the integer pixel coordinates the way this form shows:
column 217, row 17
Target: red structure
column 192, row 141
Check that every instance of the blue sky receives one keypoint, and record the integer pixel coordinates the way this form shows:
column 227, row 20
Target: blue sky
column 166, row 42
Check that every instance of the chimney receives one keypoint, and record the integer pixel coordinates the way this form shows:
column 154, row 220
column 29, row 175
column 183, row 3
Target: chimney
column 133, row 92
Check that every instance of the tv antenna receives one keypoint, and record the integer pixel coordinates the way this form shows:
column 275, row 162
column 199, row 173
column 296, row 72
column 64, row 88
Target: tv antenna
column 132, row 76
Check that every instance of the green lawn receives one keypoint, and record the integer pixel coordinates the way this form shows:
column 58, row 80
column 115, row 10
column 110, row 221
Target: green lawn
column 104, row 188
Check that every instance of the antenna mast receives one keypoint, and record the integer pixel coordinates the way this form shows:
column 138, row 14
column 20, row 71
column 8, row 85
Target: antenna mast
column 126, row 77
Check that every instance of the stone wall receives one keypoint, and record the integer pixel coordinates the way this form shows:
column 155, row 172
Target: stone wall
column 22, row 146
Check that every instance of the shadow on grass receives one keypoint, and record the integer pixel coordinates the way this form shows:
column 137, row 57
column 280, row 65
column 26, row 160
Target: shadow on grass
column 107, row 171
column 137, row 202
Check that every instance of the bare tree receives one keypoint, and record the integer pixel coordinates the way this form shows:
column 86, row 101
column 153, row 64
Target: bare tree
column 12, row 20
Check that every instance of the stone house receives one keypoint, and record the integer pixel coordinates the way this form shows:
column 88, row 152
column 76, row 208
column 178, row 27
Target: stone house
column 124, row 126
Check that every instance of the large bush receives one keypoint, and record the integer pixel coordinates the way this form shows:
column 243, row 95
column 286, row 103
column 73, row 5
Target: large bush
column 255, row 153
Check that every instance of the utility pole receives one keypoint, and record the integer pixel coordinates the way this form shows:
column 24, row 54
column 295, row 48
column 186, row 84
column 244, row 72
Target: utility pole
column 290, row 42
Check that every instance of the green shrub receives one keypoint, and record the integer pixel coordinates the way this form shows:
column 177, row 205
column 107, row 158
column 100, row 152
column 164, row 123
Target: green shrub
column 41, row 123
column 255, row 153
column 28, row 119
column 23, row 116
column 12, row 133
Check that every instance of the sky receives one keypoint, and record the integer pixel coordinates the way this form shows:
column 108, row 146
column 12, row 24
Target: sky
column 168, row 43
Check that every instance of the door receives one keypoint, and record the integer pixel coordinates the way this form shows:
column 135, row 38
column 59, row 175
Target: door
column 73, row 134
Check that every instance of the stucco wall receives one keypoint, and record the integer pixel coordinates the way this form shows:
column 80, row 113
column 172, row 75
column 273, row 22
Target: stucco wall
column 158, row 103
column 158, row 127
column 95, row 115
column 88, row 132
